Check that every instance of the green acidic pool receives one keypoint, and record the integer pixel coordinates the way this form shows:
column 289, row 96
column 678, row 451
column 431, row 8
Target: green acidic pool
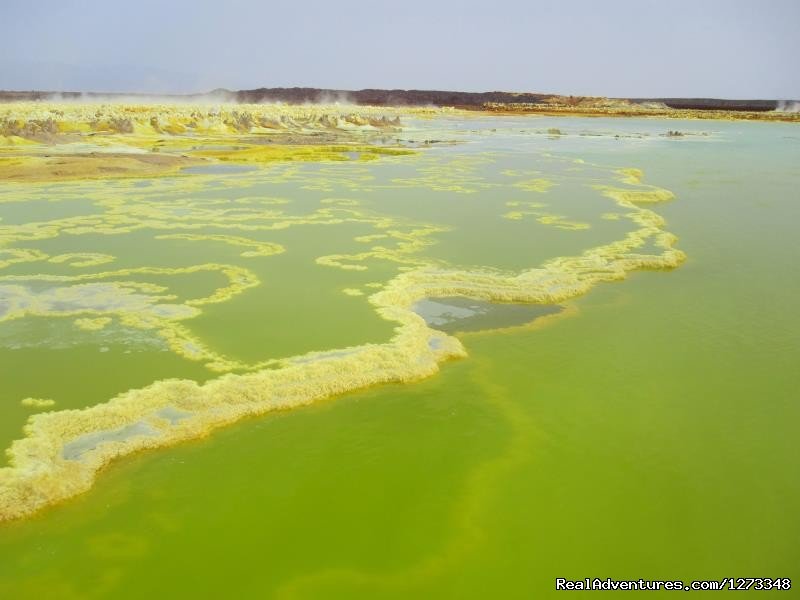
column 638, row 428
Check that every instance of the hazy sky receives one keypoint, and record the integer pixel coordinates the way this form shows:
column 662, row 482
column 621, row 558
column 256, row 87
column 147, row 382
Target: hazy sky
column 631, row 48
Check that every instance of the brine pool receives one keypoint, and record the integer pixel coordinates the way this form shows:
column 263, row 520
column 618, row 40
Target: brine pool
column 551, row 347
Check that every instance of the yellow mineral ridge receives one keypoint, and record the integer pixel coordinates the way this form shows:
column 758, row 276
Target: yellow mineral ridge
column 37, row 402
column 82, row 259
column 258, row 248
column 92, row 324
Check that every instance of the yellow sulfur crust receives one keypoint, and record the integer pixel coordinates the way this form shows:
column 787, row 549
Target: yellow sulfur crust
column 56, row 142
column 37, row 402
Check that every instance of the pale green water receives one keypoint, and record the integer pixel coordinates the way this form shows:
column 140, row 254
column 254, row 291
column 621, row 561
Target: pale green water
column 650, row 433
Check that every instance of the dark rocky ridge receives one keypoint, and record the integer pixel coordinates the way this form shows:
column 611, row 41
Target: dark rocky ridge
column 376, row 97
column 713, row 103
